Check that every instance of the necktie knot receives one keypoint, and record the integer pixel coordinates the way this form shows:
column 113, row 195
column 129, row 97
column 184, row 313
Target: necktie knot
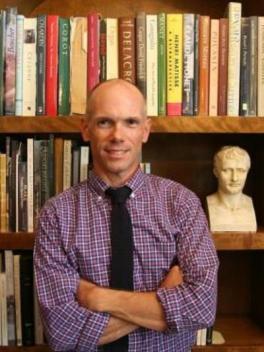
column 118, row 195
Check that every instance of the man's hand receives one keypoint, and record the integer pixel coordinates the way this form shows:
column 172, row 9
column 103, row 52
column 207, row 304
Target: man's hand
column 173, row 278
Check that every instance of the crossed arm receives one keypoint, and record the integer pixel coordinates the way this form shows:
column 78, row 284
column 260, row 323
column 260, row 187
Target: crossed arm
column 128, row 310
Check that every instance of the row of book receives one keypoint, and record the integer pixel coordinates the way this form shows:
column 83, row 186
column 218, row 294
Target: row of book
column 32, row 170
column 20, row 322
column 184, row 64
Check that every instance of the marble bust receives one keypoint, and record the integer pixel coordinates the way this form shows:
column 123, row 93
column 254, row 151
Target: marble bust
column 229, row 209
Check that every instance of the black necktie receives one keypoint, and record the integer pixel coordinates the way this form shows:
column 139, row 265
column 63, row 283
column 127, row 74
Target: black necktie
column 122, row 251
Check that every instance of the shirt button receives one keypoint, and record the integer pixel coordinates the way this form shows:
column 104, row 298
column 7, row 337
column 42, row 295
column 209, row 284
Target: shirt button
column 99, row 198
column 132, row 195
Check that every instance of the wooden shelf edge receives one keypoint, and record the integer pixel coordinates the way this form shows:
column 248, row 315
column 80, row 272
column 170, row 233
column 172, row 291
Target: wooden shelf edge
column 227, row 241
column 174, row 124
column 239, row 241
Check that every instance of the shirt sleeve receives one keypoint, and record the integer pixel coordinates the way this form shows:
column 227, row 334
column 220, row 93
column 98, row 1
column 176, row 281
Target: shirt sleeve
column 68, row 326
column 192, row 305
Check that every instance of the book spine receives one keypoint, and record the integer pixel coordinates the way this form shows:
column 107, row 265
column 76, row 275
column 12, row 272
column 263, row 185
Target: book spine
column 10, row 297
column 188, row 64
column 41, row 65
column 260, row 92
column 78, row 74
column 93, row 52
column 112, row 48
column 223, row 66
column 253, row 66
column 152, row 64
column 174, row 63
column 17, row 299
column 52, row 65
column 30, row 185
column 196, row 65
column 141, row 52
column 204, row 55
column 244, row 67
column 3, row 203
column 67, row 164
column 27, row 309
column 36, row 178
column 2, row 59
column 102, row 50
column 214, row 66
column 19, row 65
column 84, row 162
column 22, row 196
column 234, row 37
column 64, row 67
column 29, row 67
column 10, row 61
column 3, row 308
column 162, row 64
column 126, row 35
column 44, row 172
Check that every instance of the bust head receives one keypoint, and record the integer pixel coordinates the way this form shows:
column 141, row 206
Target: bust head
column 231, row 166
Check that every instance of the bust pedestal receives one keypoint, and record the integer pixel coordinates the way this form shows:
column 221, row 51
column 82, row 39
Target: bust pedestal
column 223, row 218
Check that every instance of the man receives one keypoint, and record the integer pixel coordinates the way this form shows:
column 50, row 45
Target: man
column 229, row 208
column 73, row 246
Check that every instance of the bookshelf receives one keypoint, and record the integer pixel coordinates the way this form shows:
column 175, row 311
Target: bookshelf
column 188, row 145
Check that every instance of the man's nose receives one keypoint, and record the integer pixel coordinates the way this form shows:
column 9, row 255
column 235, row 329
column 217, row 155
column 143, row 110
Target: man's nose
column 234, row 175
column 117, row 132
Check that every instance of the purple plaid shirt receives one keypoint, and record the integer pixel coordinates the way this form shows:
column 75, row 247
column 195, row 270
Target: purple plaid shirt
column 73, row 241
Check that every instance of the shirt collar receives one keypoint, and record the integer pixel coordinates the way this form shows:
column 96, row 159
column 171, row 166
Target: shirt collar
column 99, row 186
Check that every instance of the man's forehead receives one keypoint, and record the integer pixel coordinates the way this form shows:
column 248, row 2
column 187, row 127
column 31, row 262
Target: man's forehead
column 234, row 162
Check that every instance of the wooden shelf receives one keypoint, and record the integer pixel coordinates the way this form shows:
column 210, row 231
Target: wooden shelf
column 239, row 241
column 181, row 124
column 223, row 241
column 40, row 348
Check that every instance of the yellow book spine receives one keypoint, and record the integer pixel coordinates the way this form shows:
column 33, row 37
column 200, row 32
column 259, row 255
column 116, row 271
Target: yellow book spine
column 174, row 63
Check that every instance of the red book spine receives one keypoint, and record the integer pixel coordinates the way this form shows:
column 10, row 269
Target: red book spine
column 93, row 67
column 223, row 65
column 52, row 65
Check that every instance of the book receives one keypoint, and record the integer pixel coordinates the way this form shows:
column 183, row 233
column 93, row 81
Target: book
column 253, row 66
column 93, row 67
column 111, row 48
column 78, row 70
column 204, row 56
column 102, row 50
column 30, row 184
column 188, row 64
column 126, row 45
column 2, row 59
column 64, row 67
column 19, row 65
column 260, row 84
column 213, row 67
column 10, row 297
column 244, row 67
column 152, row 64
column 26, row 293
column 41, row 65
column 3, row 194
column 162, row 82
column 141, row 52
column 29, row 67
column 18, row 325
column 234, row 10
column 51, row 90
column 10, row 61
column 174, row 63
column 223, row 66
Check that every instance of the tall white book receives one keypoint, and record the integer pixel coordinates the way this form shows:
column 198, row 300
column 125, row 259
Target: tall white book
column 19, row 64
column 152, row 64
column 112, row 48
column 260, row 91
column 29, row 67
column 234, row 11
column 84, row 162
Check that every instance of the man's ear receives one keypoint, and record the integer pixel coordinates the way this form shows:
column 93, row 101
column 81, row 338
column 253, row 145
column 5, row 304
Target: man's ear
column 147, row 129
column 85, row 129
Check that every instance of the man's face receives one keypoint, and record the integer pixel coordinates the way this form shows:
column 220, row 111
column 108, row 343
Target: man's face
column 231, row 174
column 116, row 129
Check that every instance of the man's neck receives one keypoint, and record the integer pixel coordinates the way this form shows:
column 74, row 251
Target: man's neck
column 115, row 180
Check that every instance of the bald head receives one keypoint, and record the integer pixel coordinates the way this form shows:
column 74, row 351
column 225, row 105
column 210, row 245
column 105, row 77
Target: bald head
column 117, row 90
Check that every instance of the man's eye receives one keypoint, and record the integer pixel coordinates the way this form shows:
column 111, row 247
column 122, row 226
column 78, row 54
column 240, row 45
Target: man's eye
column 104, row 123
column 132, row 122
